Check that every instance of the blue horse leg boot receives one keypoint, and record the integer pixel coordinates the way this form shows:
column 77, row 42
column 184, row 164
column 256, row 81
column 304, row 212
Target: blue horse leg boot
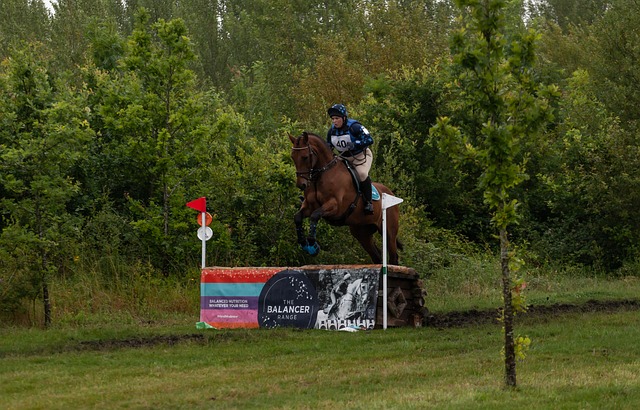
column 312, row 247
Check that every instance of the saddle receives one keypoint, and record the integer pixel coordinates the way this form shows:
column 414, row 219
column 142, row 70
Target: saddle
column 375, row 195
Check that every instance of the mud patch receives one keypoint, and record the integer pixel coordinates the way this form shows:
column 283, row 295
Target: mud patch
column 446, row 320
column 490, row 316
column 137, row 342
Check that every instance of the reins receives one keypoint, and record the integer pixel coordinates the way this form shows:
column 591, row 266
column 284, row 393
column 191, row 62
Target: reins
column 313, row 172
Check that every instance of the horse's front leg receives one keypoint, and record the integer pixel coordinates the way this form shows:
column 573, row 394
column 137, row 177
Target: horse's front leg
column 313, row 221
column 327, row 210
column 308, row 244
column 312, row 245
column 297, row 218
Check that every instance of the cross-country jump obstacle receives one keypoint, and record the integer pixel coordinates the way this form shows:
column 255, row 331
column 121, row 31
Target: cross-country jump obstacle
column 334, row 297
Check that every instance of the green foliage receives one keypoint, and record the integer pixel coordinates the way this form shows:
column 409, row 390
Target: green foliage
column 155, row 116
column 113, row 118
column 590, row 162
column 262, row 196
column 21, row 22
column 44, row 133
column 371, row 40
column 252, row 96
column 595, row 146
column 614, row 55
column 106, row 44
column 607, row 48
column 568, row 13
column 430, row 249
column 400, row 110
column 18, row 281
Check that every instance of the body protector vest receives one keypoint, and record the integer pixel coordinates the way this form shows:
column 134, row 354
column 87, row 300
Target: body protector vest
column 354, row 138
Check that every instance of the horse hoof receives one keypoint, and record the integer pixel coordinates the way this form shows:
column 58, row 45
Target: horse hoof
column 312, row 249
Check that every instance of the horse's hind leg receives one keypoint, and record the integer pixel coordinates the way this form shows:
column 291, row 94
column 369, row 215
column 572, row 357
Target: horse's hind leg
column 392, row 236
column 392, row 247
column 364, row 235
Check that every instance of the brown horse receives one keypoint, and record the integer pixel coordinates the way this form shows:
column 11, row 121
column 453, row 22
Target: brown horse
column 330, row 193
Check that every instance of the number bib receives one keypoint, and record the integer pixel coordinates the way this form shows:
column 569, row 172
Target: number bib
column 342, row 142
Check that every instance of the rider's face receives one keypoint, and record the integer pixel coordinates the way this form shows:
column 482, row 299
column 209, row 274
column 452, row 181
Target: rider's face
column 337, row 121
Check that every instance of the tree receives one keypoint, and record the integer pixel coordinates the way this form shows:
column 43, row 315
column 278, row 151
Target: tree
column 153, row 124
column 68, row 41
column 202, row 17
column 44, row 132
column 585, row 185
column 499, row 105
column 275, row 36
column 608, row 49
column 614, row 55
column 378, row 37
column 568, row 13
column 400, row 110
column 22, row 21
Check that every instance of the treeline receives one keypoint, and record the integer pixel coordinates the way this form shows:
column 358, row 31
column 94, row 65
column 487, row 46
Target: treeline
column 114, row 114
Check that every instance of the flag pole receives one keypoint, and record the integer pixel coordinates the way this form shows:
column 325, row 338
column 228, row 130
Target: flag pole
column 204, row 242
column 384, row 266
column 387, row 202
column 200, row 205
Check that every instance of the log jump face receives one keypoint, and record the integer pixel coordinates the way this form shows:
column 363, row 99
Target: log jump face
column 331, row 297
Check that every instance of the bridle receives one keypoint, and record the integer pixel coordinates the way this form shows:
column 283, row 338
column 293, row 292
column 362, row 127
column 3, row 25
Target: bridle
column 313, row 173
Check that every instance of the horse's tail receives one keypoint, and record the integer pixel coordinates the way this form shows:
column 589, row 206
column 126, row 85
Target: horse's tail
column 399, row 244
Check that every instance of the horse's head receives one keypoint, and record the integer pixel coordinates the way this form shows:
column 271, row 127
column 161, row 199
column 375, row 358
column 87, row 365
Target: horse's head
column 305, row 158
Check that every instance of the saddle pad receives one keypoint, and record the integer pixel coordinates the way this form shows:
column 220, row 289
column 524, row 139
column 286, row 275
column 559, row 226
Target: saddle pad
column 375, row 195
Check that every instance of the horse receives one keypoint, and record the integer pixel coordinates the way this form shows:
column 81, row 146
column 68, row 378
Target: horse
column 330, row 192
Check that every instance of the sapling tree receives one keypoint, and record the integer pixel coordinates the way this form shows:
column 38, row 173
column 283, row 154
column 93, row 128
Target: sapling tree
column 497, row 107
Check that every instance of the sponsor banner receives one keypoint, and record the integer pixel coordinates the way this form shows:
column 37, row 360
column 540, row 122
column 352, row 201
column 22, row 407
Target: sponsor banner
column 227, row 318
column 229, row 296
column 229, row 302
column 288, row 299
column 348, row 297
column 238, row 275
column 231, row 289
column 332, row 298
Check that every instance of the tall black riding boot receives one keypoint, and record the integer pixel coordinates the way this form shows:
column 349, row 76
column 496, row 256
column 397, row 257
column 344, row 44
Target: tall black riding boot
column 366, row 196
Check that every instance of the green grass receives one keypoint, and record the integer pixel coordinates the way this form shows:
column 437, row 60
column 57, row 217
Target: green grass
column 139, row 296
column 475, row 283
column 88, row 359
column 576, row 361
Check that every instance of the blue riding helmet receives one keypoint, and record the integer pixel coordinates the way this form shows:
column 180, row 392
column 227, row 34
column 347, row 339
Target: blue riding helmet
column 337, row 110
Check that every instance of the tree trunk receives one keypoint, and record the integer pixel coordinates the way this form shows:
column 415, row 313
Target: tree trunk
column 509, row 348
column 46, row 301
column 45, row 266
column 165, row 217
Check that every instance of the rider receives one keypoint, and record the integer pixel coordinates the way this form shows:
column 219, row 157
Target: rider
column 352, row 140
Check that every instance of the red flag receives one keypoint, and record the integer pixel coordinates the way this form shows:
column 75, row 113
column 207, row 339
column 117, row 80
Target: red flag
column 199, row 204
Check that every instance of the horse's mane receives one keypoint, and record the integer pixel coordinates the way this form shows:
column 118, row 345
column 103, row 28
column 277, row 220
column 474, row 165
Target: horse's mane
column 314, row 136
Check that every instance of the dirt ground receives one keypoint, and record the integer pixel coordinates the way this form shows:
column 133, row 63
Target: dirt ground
column 143, row 341
column 477, row 317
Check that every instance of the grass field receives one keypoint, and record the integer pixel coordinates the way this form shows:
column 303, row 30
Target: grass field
column 576, row 361
column 139, row 349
